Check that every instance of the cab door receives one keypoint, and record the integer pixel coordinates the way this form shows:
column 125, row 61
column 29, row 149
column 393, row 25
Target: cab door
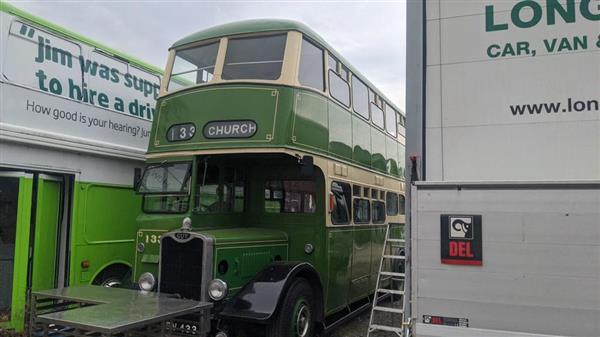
column 46, row 238
column 15, row 218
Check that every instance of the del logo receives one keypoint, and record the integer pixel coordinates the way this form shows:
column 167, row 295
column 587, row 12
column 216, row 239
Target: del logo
column 461, row 239
column 461, row 228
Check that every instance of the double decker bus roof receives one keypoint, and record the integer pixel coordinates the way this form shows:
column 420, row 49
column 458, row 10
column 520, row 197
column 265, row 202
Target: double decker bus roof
column 58, row 30
column 273, row 25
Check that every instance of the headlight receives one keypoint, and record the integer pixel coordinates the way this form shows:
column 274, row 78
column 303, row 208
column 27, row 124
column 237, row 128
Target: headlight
column 217, row 289
column 147, row 281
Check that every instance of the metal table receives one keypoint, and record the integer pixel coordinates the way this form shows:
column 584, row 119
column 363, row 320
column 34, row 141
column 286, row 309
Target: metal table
column 100, row 311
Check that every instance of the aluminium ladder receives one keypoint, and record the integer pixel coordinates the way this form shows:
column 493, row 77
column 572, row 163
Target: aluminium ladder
column 391, row 271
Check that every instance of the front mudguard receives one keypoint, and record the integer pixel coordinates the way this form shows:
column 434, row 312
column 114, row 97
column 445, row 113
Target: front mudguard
column 258, row 300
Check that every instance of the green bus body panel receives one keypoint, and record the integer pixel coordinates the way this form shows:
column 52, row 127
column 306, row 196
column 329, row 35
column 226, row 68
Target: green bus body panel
column 340, row 131
column 310, row 126
column 103, row 228
column 285, row 117
column 17, row 317
column 237, row 236
column 361, row 141
column 46, row 234
column 339, row 259
column 265, row 105
column 361, row 263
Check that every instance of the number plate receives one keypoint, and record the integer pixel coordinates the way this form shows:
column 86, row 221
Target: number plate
column 183, row 327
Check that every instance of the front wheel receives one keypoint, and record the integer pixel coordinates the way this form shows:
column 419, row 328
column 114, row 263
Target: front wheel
column 296, row 313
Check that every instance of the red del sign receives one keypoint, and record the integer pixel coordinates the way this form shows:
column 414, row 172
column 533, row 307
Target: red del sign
column 461, row 239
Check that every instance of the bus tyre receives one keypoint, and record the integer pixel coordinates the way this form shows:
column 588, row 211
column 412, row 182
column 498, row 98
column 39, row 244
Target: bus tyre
column 296, row 313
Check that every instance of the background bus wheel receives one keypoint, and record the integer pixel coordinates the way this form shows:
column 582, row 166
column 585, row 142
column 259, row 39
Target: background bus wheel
column 115, row 276
column 296, row 313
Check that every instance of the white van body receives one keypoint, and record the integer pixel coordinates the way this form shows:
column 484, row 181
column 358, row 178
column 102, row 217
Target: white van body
column 504, row 123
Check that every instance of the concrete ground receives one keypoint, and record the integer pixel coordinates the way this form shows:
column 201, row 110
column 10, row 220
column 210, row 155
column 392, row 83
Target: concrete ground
column 357, row 327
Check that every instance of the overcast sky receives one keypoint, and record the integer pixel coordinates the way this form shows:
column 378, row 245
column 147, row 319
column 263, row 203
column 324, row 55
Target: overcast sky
column 369, row 34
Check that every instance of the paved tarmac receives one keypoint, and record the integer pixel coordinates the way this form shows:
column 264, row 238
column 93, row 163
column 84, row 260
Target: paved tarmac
column 356, row 327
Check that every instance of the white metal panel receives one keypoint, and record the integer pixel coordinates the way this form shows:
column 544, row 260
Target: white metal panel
column 568, row 150
column 434, row 154
column 427, row 330
column 434, row 97
column 434, row 56
column 432, row 9
column 85, row 167
column 541, row 259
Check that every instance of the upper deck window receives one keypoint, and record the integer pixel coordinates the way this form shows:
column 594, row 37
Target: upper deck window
column 391, row 124
column 311, row 66
column 338, row 82
column 194, row 65
column 360, row 98
column 377, row 115
column 259, row 58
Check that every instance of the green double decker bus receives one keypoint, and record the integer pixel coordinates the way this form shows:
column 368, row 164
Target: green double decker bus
column 272, row 171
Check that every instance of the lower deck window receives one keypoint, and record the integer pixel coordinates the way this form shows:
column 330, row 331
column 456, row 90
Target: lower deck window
column 378, row 212
column 339, row 203
column 220, row 189
column 290, row 196
column 362, row 210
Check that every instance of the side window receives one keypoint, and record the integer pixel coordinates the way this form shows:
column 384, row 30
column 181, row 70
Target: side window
column 356, row 189
column 402, row 205
column 360, row 98
column 339, row 203
column 362, row 211
column 339, row 89
column 377, row 110
column 390, row 120
column 338, row 85
column 43, row 61
column 290, row 196
column 311, row 66
column 378, row 211
column 219, row 189
column 401, row 124
column 391, row 200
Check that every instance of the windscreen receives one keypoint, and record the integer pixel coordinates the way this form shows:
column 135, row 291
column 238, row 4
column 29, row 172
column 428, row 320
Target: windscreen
column 258, row 58
column 193, row 66
column 168, row 178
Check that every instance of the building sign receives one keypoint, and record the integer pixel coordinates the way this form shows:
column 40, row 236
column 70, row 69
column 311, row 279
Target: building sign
column 461, row 239
column 230, row 129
